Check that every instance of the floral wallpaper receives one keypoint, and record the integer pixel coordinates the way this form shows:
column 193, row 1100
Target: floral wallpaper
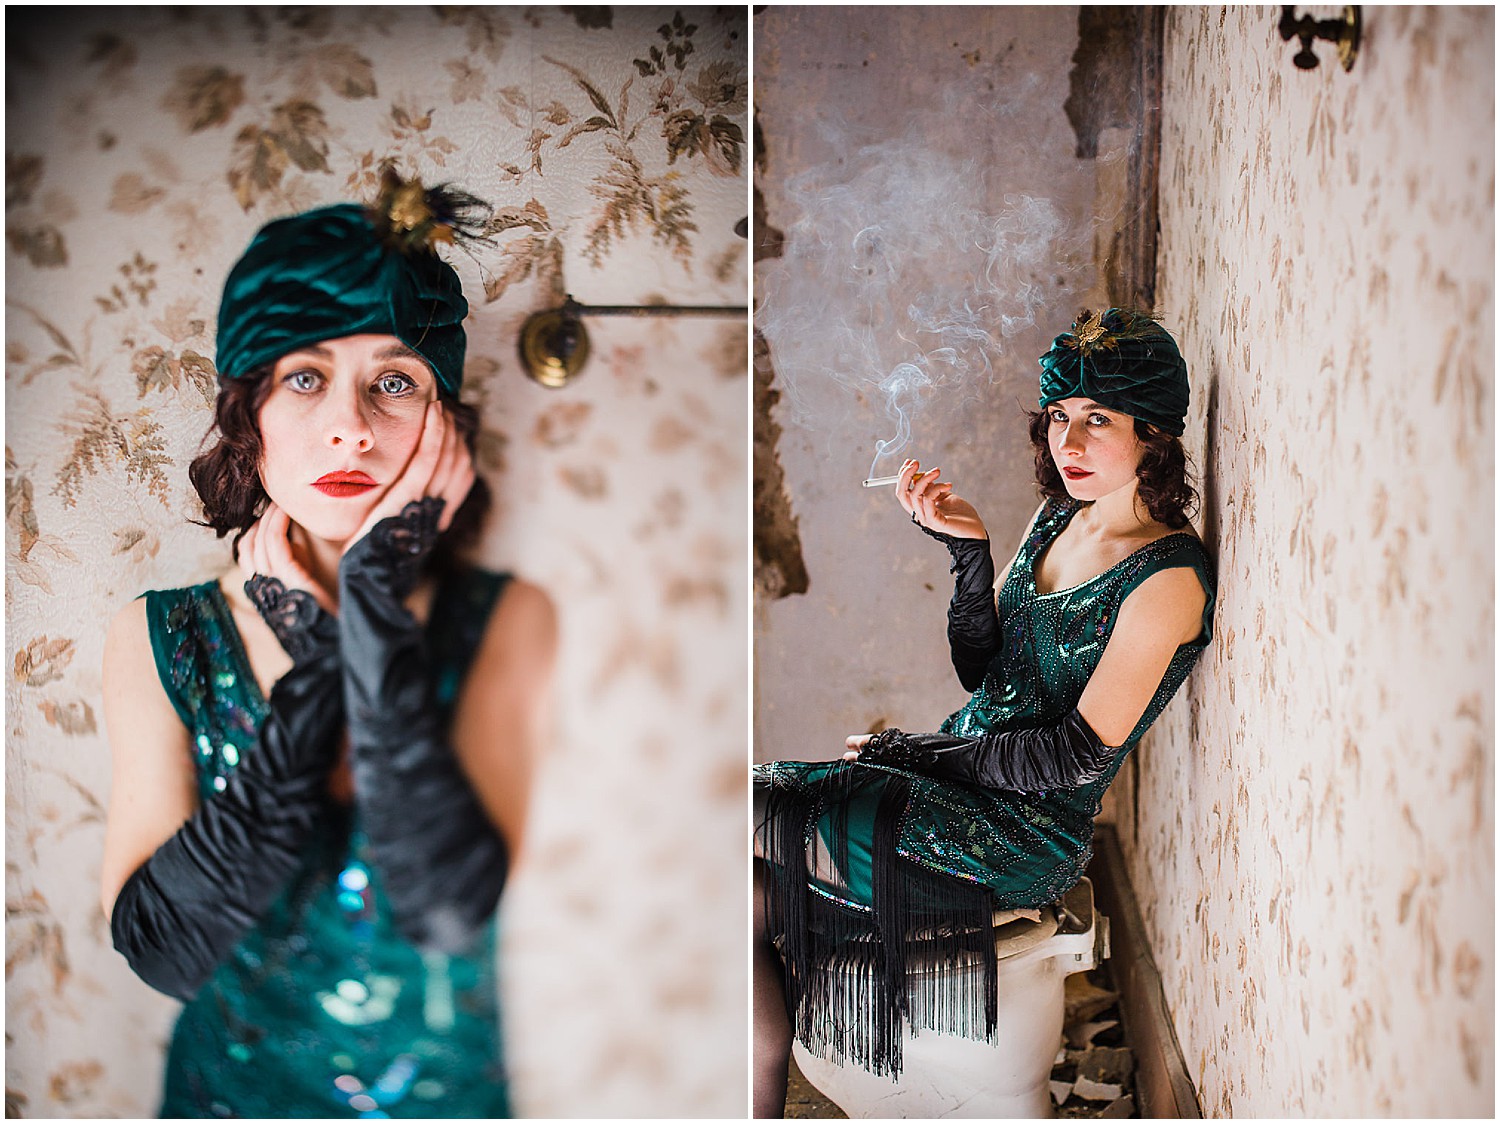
column 1312, row 836
column 143, row 149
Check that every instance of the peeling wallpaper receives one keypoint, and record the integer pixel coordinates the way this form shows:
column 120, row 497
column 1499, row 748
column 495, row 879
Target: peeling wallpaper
column 1312, row 838
column 922, row 114
column 143, row 149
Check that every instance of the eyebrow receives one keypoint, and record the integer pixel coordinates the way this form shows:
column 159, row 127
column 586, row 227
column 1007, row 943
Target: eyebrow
column 1089, row 406
column 392, row 351
column 398, row 351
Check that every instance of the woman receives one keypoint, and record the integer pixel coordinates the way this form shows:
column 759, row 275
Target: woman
column 321, row 756
column 1070, row 656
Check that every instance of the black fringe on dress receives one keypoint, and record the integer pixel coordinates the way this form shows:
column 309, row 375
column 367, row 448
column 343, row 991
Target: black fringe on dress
column 855, row 978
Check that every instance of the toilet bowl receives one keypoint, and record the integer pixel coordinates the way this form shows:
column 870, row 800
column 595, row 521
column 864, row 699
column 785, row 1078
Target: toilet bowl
column 945, row 1075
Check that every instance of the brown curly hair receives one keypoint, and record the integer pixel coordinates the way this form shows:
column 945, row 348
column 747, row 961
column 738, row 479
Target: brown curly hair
column 1164, row 486
column 227, row 476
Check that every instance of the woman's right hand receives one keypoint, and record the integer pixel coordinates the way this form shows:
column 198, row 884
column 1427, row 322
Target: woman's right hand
column 266, row 549
column 933, row 505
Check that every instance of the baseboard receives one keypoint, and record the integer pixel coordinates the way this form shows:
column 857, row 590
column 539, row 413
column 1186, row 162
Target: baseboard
column 1163, row 1088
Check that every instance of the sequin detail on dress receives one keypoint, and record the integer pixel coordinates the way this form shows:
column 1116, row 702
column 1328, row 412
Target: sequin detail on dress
column 323, row 1009
column 1018, row 849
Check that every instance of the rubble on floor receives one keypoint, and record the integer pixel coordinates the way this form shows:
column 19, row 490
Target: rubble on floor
column 1093, row 1074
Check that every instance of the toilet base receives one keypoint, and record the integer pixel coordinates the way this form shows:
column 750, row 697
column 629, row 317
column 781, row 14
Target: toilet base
column 949, row 1076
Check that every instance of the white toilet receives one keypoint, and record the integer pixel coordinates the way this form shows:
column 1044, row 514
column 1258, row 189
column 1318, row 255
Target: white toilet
column 944, row 1075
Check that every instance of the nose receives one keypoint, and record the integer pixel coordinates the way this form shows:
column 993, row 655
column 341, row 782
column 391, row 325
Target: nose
column 1071, row 440
column 345, row 426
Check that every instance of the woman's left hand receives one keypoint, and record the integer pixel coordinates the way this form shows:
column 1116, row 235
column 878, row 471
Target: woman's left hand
column 854, row 743
column 266, row 550
column 932, row 504
column 440, row 467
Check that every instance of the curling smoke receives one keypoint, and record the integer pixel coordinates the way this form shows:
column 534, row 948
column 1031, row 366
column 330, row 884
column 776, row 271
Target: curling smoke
column 906, row 272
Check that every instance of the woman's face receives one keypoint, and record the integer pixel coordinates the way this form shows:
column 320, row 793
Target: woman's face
column 340, row 423
column 1095, row 448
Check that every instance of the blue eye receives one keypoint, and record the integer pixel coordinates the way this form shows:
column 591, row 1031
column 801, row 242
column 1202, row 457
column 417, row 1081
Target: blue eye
column 303, row 380
column 394, row 385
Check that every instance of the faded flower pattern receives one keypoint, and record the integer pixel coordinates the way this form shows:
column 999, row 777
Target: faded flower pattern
column 1312, row 835
column 143, row 149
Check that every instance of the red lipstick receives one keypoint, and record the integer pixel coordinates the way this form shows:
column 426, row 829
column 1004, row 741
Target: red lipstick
column 341, row 484
column 1076, row 473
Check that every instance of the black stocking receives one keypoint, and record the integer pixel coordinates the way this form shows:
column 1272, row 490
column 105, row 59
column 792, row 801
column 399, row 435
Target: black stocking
column 773, row 1029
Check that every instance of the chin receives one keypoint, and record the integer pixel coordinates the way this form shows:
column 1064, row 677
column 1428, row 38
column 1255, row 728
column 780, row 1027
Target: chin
column 337, row 525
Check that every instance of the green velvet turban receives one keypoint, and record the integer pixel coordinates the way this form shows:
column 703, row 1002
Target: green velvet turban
column 326, row 274
column 1124, row 360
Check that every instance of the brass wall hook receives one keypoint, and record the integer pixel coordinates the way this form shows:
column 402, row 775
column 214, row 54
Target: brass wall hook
column 554, row 344
column 1344, row 31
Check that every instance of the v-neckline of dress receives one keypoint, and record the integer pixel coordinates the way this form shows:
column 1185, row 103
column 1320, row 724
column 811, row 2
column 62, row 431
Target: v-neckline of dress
column 238, row 654
column 1036, row 559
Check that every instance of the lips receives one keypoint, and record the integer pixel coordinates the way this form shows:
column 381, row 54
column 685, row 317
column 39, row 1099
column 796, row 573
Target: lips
column 343, row 484
column 1076, row 473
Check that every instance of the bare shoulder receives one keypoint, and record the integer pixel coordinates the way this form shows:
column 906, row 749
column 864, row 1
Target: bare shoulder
column 524, row 614
column 502, row 723
column 520, row 639
column 1169, row 604
column 138, row 715
column 128, row 632
column 130, row 678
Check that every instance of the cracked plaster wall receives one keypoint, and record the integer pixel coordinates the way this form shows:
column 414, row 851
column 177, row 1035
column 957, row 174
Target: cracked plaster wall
column 901, row 91
column 1312, row 836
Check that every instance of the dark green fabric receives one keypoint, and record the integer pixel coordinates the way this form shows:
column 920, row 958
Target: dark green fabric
column 1135, row 369
column 325, row 274
column 323, row 1009
column 1027, row 848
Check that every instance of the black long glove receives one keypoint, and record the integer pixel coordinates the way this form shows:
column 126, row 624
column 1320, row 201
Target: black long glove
column 973, row 623
column 180, row 914
column 442, row 862
column 1065, row 754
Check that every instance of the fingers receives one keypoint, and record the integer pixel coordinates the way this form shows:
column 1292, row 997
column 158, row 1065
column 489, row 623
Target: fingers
column 437, row 431
column 854, row 743
column 930, row 503
column 454, row 474
column 413, row 480
column 267, row 549
column 922, row 495
column 244, row 551
column 258, row 557
column 456, row 489
column 278, row 548
column 903, row 485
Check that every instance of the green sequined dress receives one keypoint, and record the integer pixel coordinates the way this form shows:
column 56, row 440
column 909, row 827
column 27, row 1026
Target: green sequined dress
column 947, row 853
column 324, row 1009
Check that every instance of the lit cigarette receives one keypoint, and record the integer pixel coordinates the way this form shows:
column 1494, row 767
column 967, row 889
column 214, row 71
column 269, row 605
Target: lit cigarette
column 881, row 481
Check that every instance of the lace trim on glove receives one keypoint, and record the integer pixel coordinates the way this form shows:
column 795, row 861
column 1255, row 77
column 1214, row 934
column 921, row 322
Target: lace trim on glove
column 304, row 628
column 954, row 543
column 891, row 747
column 405, row 540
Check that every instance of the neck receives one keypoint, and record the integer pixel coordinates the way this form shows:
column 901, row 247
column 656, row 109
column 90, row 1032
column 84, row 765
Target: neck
column 1121, row 513
column 321, row 559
